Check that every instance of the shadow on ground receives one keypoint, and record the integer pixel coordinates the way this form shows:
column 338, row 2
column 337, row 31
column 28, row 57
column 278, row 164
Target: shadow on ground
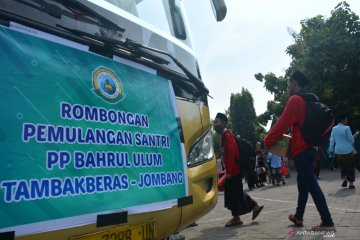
column 341, row 193
column 222, row 232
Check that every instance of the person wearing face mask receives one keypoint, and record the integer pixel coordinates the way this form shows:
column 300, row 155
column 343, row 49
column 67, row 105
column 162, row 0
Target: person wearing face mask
column 238, row 202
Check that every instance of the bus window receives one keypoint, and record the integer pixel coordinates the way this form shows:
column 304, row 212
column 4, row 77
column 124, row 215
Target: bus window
column 165, row 15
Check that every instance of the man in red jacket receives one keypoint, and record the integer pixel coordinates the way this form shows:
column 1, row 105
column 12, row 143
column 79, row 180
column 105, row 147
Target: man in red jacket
column 303, row 154
column 238, row 202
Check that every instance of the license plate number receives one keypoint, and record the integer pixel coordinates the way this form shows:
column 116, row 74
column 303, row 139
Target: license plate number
column 142, row 231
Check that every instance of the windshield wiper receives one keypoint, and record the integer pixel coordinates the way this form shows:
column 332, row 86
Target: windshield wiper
column 113, row 44
column 138, row 50
column 134, row 46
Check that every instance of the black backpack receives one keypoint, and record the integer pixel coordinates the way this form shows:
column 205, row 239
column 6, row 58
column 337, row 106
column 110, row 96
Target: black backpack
column 319, row 120
column 247, row 155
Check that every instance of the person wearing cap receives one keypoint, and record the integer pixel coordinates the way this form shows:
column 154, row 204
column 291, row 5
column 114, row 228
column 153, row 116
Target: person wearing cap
column 303, row 154
column 238, row 202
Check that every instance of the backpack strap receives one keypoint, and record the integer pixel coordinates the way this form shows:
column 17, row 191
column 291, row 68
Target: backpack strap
column 308, row 96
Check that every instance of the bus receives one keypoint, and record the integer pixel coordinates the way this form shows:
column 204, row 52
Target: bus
column 105, row 128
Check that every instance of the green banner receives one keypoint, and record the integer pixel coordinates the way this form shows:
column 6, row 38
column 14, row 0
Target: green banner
column 81, row 134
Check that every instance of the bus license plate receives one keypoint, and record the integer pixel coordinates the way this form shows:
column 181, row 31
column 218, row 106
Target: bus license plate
column 142, row 231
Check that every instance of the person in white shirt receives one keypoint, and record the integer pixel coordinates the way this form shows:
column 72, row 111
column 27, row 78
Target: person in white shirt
column 342, row 138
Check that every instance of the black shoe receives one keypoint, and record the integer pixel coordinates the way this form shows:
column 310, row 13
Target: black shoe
column 344, row 184
column 351, row 186
column 257, row 212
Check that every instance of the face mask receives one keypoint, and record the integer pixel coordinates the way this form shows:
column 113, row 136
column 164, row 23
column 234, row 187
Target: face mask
column 218, row 129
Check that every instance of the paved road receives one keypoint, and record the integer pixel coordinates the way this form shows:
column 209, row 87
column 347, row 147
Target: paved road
column 272, row 223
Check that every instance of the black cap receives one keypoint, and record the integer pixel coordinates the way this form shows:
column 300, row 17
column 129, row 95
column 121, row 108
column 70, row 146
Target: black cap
column 222, row 117
column 300, row 78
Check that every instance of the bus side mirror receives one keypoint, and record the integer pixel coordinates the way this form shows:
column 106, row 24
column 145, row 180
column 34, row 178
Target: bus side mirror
column 219, row 9
column 177, row 20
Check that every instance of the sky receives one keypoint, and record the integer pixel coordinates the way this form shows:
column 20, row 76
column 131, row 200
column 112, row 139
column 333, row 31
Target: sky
column 252, row 38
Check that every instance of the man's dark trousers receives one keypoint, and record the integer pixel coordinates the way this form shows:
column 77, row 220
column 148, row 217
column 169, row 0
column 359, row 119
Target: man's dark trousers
column 307, row 183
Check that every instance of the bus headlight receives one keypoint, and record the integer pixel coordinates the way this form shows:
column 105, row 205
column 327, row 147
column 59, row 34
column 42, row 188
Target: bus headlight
column 202, row 150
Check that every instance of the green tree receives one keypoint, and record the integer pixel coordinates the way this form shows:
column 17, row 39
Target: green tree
column 242, row 115
column 276, row 86
column 327, row 51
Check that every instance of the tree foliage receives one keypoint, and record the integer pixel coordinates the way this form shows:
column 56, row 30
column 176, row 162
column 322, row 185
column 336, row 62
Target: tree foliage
column 327, row 51
column 277, row 87
column 243, row 117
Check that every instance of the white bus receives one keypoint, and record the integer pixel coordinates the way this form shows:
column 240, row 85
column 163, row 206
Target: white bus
column 104, row 125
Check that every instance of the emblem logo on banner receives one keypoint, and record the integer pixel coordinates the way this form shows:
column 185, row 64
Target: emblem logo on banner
column 107, row 85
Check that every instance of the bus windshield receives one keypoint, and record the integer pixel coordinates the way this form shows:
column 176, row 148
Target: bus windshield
column 158, row 14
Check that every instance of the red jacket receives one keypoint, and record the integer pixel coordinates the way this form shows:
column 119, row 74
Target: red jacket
column 230, row 153
column 292, row 117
